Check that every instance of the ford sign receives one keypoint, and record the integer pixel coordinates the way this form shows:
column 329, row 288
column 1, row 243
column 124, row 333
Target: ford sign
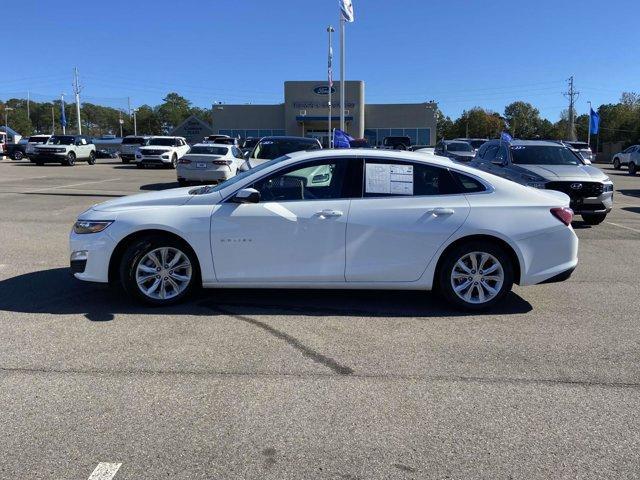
column 323, row 90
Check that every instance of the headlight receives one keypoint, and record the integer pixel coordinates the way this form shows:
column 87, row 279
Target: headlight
column 608, row 187
column 88, row 226
column 60, row 150
column 536, row 184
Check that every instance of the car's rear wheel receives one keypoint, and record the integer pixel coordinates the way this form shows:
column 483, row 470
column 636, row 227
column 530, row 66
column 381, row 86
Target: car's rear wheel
column 632, row 168
column 70, row 160
column 182, row 182
column 92, row 158
column 159, row 270
column 140, row 165
column 594, row 218
column 174, row 161
column 125, row 160
column 475, row 275
column 616, row 163
column 17, row 155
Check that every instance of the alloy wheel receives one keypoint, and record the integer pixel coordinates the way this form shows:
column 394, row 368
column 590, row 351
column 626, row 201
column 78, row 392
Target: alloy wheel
column 163, row 273
column 477, row 277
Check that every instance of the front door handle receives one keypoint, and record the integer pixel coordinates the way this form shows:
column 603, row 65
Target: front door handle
column 329, row 213
column 441, row 212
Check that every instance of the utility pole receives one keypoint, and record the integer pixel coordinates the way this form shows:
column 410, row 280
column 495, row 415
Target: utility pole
column 53, row 121
column 589, row 126
column 28, row 101
column 330, row 30
column 63, row 116
column 135, row 124
column 572, row 95
column 129, row 104
column 120, row 121
column 76, row 91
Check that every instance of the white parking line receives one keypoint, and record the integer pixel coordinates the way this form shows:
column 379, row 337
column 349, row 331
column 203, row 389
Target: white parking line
column 105, row 471
column 73, row 185
column 623, row 226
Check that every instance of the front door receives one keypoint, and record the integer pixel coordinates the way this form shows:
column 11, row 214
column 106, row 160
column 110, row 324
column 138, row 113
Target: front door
column 408, row 211
column 296, row 233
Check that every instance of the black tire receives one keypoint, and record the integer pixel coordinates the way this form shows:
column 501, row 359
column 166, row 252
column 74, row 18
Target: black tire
column 632, row 168
column 182, row 182
column 136, row 252
column 616, row 163
column 594, row 218
column 174, row 162
column 17, row 155
column 39, row 164
column 125, row 160
column 444, row 276
column 92, row 158
column 70, row 160
column 140, row 165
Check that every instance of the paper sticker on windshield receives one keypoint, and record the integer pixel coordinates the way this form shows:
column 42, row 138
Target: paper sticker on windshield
column 391, row 179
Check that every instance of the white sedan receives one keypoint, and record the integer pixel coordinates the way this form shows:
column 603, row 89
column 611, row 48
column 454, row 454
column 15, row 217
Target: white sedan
column 363, row 219
column 210, row 163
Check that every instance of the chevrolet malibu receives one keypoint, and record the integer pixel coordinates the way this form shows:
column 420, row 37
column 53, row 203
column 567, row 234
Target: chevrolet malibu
column 342, row 219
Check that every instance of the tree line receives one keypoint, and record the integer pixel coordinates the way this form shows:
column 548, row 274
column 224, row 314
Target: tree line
column 619, row 122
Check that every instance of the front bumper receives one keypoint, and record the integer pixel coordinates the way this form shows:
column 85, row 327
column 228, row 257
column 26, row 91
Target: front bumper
column 600, row 204
column 93, row 264
column 48, row 157
column 153, row 160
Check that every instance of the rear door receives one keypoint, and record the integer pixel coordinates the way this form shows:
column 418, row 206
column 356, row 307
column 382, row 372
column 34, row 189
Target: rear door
column 407, row 212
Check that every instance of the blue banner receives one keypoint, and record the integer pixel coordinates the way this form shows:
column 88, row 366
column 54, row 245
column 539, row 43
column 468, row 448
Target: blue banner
column 594, row 122
column 505, row 137
column 63, row 117
column 341, row 139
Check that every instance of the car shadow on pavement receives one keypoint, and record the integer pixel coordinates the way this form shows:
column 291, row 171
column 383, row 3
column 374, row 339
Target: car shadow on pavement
column 630, row 192
column 56, row 292
column 632, row 209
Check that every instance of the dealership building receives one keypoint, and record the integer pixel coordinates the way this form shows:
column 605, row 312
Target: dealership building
column 305, row 112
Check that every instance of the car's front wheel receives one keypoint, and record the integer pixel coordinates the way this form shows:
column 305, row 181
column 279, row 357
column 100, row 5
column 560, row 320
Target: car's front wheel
column 616, row 163
column 159, row 270
column 594, row 218
column 632, row 168
column 92, row 158
column 475, row 275
column 17, row 155
column 70, row 160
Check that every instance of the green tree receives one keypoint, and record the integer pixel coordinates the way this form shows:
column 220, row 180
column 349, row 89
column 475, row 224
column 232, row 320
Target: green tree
column 173, row 111
column 524, row 119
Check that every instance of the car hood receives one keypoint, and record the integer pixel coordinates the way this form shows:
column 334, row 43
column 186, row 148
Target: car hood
column 175, row 196
column 155, row 147
column 577, row 172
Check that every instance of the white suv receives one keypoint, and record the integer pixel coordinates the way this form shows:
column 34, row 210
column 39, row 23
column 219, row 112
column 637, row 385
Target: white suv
column 629, row 157
column 164, row 151
column 65, row 149
column 130, row 145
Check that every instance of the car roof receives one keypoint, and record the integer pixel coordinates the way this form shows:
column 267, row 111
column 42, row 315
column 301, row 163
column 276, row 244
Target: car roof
column 539, row 143
column 276, row 137
column 210, row 144
column 372, row 153
column 165, row 136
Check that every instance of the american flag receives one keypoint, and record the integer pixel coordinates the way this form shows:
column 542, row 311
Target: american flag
column 347, row 10
column 330, row 66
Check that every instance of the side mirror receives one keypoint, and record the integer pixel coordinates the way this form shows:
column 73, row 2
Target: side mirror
column 499, row 161
column 246, row 195
column 246, row 154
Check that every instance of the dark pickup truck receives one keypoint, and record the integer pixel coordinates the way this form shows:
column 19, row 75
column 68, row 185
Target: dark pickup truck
column 15, row 151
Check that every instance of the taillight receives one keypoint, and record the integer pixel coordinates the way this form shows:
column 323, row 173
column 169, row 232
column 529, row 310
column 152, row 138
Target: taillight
column 564, row 214
column 184, row 161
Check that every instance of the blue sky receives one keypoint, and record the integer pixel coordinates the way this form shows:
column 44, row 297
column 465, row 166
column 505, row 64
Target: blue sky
column 460, row 53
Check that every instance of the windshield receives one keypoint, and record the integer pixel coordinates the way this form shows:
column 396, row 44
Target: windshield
column 203, row 150
column 61, row 140
column 133, row 141
column 165, row 142
column 250, row 143
column 237, row 177
column 459, row 147
column 543, row 155
column 578, row 145
column 268, row 149
column 38, row 139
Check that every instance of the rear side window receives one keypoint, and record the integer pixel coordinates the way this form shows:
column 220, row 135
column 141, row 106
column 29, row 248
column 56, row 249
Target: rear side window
column 468, row 184
column 389, row 179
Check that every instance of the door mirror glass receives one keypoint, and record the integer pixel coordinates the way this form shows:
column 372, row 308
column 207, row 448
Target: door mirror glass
column 247, row 195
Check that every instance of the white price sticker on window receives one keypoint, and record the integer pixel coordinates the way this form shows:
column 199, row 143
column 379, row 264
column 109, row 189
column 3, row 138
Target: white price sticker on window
column 391, row 179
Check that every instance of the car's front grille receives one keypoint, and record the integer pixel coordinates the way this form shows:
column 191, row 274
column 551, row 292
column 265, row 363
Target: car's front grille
column 153, row 152
column 577, row 190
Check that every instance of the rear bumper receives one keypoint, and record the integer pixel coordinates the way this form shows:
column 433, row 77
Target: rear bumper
column 195, row 175
column 560, row 277
column 548, row 255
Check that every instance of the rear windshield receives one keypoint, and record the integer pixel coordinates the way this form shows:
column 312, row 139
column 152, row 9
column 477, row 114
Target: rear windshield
column 578, row 145
column 202, row 150
column 38, row 139
column 165, row 142
column 61, row 140
column 543, row 155
column 133, row 141
column 250, row 143
column 459, row 147
column 397, row 140
column 269, row 149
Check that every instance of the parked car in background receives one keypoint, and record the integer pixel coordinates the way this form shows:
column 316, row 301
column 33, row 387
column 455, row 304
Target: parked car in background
column 209, row 162
column 333, row 219
column 162, row 151
column 475, row 143
column 629, row 157
column 359, row 143
column 227, row 141
column 269, row 148
column 16, row 151
column 396, row 143
column 130, row 145
column 414, row 148
column 553, row 166
column 214, row 138
column 581, row 148
column 249, row 143
column 455, row 150
column 428, row 150
column 33, row 141
column 66, row 150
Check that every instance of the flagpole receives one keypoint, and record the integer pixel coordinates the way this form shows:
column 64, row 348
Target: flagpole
column 64, row 124
column 330, row 82
column 342, row 62
column 589, row 127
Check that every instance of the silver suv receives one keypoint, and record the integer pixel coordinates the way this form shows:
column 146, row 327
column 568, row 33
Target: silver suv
column 65, row 150
column 554, row 166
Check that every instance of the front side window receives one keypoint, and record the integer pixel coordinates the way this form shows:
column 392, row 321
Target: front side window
column 316, row 180
column 61, row 140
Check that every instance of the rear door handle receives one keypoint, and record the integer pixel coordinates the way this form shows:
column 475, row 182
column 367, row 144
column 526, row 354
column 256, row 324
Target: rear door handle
column 329, row 213
column 441, row 212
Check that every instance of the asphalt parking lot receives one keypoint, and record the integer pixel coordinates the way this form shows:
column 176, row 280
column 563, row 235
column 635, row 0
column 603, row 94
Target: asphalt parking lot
column 308, row 384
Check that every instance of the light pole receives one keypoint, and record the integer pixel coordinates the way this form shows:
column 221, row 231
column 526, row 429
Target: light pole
column 330, row 30
column 135, row 124
column 589, row 127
